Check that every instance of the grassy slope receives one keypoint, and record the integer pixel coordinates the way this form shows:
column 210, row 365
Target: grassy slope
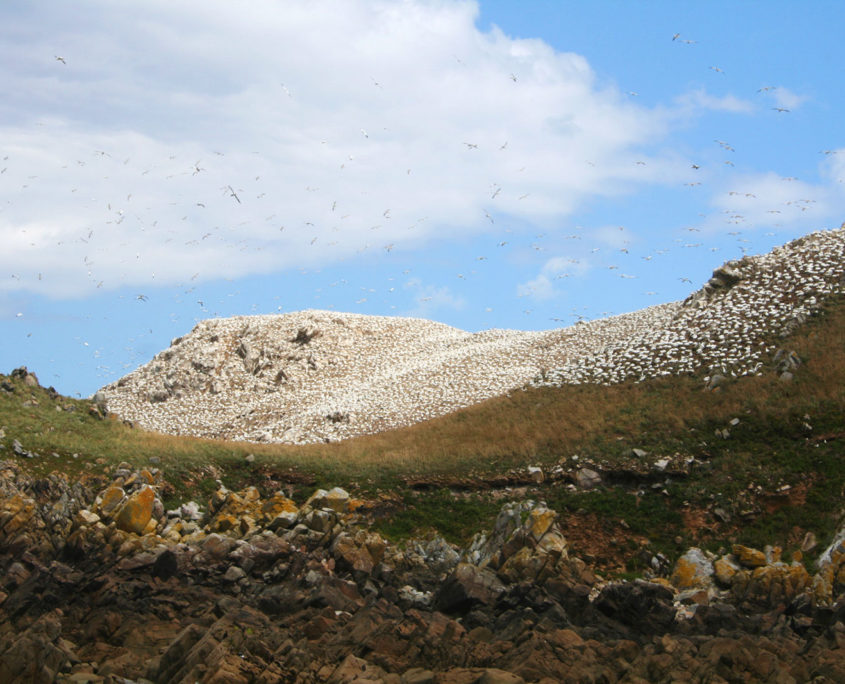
column 769, row 448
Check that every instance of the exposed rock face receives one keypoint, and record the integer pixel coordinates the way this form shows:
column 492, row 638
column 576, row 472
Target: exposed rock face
column 317, row 375
column 193, row 599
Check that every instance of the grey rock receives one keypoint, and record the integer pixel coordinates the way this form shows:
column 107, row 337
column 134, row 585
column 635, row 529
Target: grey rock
column 587, row 478
column 467, row 586
column 716, row 380
column 233, row 574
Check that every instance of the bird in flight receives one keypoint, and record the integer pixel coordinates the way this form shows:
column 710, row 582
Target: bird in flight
column 61, row 59
column 780, row 109
column 142, row 298
column 234, row 194
column 471, row 146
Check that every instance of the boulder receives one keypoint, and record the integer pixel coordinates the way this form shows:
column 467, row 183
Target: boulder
column 467, row 586
column 748, row 557
column 694, row 570
column 725, row 568
column 337, row 499
column 321, row 520
column 136, row 513
column 360, row 551
column 587, row 478
column 647, row 606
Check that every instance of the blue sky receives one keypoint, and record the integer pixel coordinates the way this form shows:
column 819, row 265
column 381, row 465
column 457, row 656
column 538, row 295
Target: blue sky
column 483, row 164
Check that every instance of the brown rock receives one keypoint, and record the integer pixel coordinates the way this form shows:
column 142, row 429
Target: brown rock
column 417, row 675
column 540, row 521
column 495, row 676
column 748, row 557
column 110, row 500
column 16, row 515
column 338, row 500
column 725, row 568
column 277, row 504
column 362, row 551
column 134, row 515
column 354, row 669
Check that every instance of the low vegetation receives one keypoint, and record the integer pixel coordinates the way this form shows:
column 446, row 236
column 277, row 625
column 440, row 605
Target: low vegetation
column 776, row 475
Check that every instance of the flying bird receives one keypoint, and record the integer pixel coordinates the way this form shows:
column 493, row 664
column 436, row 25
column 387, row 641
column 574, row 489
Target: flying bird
column 61, row 59
column 234, row 194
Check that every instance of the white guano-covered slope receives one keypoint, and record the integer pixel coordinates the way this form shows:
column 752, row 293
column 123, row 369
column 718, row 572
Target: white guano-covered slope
column 315, row 376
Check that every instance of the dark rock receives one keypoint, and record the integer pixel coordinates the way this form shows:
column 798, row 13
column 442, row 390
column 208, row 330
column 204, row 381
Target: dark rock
column 644, row 605
column 166, row 565
column 466, row 587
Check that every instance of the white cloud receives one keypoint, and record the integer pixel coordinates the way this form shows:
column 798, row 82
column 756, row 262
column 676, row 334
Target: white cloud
column 430, row 298
column 767, row 200
column 545, row 286
column 785, row 98
column 615, row 237
column 341, row 127
column 833, row 166
column 701, row 99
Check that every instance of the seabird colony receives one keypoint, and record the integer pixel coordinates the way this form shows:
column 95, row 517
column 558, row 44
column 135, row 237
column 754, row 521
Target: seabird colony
column 315, row 376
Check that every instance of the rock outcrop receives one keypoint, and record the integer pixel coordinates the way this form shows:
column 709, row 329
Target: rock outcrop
column 99, row 583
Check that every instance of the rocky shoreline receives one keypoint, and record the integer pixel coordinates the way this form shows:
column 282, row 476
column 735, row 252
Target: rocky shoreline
column 99, row 583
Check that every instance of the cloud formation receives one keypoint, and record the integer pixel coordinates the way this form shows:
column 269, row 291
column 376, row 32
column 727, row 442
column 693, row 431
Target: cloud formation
column 186, row 140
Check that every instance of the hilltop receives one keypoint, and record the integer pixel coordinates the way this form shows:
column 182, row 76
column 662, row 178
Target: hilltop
column 318, row 376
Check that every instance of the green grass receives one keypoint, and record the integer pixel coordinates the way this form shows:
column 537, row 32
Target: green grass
column 455, row 517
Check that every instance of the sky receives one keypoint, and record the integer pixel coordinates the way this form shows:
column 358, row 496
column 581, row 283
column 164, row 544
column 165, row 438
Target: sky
column 484, row 164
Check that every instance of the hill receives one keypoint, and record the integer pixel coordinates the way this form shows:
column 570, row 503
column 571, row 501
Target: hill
column 318, row 376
